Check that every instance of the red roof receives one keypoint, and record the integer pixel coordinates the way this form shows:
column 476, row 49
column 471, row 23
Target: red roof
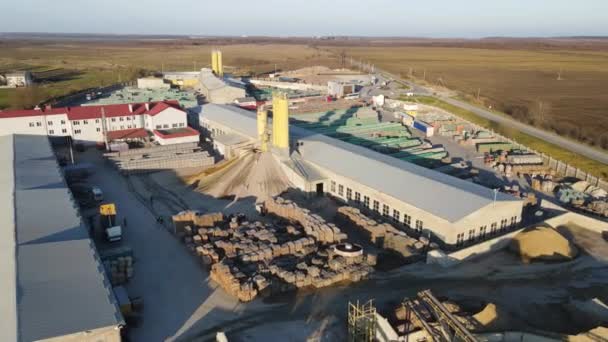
column 94, row 112
column 134, row 133
column 176, row 133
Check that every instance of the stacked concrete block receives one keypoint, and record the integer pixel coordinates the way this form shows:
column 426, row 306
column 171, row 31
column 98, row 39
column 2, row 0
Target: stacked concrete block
column 313, row 224
column 382, row 234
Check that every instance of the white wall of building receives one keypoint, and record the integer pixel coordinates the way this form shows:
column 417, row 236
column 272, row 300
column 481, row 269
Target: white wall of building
column 168, row 118
column 180, row 140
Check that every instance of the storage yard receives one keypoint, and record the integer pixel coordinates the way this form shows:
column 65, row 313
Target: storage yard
column 292, row 214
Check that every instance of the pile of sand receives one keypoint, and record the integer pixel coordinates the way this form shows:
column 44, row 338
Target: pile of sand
column 543, row 244
column 255, row 174
column 492, row 318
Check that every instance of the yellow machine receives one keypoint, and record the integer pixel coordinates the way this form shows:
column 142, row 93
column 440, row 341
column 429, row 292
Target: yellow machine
column 280, row 121
column 113, row 231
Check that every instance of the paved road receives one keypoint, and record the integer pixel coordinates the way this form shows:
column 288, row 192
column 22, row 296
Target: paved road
column 567, row 144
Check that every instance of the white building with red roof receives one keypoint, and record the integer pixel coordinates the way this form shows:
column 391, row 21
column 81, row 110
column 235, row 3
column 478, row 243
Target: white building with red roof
column 95, row 124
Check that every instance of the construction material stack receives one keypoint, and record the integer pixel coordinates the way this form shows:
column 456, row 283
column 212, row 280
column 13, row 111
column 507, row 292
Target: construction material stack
column 251, row 258
column 384, row 235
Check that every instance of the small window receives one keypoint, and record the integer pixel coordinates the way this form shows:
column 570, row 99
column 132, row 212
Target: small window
column 366, row 201
column 357, row 197
column 459, row 239
column 32, row 124
column 332, row 187
column 167, row 126
column 39, row 124
column 85, row 122
column 396, row 215
column 349, row 193
column 50, row 123
column 98, row 129
column 407, row 220
column 96, row 120
column 471, row 235
column 419, row 225
column 113, row 119
column 482, row 231
column 181, row 124
column 121, row 119
column 63, row 122
column 128, row 118
column 51, row 132
column 376, row 206
column 77, row 131
column 385, row 210
column 174, row 125
column 122, row 126
column 63, row 130
column 341, row 190
column 159, row 126
column 76, row 122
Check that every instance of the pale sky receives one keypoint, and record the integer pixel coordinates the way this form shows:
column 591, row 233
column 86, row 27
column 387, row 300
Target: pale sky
column 421, row 18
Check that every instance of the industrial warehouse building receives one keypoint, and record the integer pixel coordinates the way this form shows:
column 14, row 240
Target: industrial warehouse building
column 88, row 124
column 220, row 90
column 455, row 211
column 52, row 281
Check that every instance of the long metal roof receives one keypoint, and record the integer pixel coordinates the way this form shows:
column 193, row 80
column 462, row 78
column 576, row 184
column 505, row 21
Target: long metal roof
column 442, row 195
column 61, row 286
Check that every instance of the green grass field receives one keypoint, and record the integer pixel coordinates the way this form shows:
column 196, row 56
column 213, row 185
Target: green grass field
column 595, row 168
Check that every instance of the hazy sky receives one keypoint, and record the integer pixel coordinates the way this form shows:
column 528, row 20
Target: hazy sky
column 429, row 18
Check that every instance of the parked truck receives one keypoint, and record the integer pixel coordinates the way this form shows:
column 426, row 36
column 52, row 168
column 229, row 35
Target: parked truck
column 112, row 230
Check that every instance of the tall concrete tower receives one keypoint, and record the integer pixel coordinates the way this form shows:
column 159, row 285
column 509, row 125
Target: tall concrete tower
column 280, row 121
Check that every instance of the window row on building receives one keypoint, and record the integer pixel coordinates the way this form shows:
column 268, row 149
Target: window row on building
column 374, row 205
column 482, row 233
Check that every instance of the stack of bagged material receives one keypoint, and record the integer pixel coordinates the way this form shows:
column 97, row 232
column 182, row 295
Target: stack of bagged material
column 194, row 218
column 120, row 269
column 314, row 225
column 382, row 234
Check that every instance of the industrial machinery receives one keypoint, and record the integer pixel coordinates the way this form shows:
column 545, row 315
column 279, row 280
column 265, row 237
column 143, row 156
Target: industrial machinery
column 107, row 215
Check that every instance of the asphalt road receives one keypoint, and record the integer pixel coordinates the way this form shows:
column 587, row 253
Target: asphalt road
column 555, row 139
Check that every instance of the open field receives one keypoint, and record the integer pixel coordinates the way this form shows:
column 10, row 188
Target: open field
column 559, row 88
column 591, row 166
column 102, row 63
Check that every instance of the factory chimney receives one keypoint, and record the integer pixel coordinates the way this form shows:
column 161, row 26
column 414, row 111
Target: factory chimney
column 262, row 126
column 280, row 121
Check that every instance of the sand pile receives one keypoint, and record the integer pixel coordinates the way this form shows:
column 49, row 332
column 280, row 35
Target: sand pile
column 543, row 244
column 492, row 318
column 255, row 174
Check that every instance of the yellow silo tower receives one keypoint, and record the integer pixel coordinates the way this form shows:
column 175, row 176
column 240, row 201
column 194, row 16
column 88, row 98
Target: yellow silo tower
column 280, row 121
column 214, row 61
column 220, row 64
column 262, row 128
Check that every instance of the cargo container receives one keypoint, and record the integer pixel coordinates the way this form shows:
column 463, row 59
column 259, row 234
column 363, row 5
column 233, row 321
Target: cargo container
column 524, row 159
column 424, row 127
column 493, row 147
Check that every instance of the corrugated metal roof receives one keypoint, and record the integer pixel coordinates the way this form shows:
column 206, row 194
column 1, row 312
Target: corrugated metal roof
column 442, row 195
column 62, row 288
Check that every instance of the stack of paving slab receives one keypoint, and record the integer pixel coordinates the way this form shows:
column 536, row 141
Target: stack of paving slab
column 384, row 235
column 120, row 270
column 168, row 157
column 314, row 225
column 249, row 258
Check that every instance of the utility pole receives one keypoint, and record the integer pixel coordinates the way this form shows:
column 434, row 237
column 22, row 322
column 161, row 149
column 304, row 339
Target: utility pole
column 559, row 74
column 71, row 149
column 478, row 91
column 424, row 75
